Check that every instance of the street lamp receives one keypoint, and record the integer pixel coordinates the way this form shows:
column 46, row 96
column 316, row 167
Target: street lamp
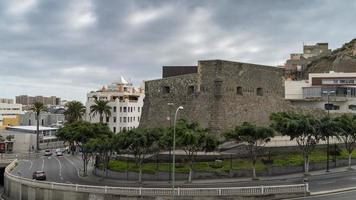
column 174, row 150
column 328, row 92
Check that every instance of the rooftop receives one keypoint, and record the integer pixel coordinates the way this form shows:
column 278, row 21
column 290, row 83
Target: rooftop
column 31, row 128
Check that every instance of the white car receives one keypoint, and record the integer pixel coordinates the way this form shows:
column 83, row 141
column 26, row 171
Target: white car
column 48, row 152
column 59, row 152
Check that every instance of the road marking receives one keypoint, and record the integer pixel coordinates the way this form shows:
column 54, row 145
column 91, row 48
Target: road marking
column 60, row 168
column 31, row 163
column 25, row 160
column 313, row 196
column 324, row 183
column 42, row 164
column 73, row 165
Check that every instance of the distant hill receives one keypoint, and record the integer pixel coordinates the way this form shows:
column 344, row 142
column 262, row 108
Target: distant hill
column 339, row 60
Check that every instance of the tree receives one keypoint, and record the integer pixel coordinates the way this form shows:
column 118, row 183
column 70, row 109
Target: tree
column 191, row 138
column 327, row 128
column 38, row 107
column 83, row 134
column 10, row 137
column 102, row 149
column 140, row 143
column 75, row 111
column 102, row 108
column 303, row 128
column 346, row 125
column 255, row 138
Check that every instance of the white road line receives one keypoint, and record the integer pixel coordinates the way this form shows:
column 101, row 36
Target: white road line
column 73, row 165
column 328, row 182
column 60, row 168
column 30, row 164
column 42, row 164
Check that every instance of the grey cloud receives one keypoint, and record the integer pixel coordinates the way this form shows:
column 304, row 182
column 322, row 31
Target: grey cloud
column 78, row 46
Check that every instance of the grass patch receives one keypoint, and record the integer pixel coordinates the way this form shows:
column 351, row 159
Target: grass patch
column 224, row 166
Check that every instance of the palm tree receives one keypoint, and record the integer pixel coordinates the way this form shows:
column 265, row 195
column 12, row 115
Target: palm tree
column 75, row 111
column 38, row 107
column 100, row 107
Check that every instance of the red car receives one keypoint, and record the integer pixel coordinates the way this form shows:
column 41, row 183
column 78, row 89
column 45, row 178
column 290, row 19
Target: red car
column 39, row 175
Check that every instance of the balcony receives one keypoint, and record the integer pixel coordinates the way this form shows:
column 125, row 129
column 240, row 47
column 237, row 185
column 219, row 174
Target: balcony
column 320, row 93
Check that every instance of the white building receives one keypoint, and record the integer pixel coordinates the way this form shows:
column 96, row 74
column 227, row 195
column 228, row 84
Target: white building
column 9, row 114
column 333, row 90
column 25, row 137
column 125, row 101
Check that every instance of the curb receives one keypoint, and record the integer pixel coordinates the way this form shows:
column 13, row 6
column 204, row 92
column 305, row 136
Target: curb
column 332, row 191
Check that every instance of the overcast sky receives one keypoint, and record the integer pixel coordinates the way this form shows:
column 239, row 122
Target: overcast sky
column 67, row 48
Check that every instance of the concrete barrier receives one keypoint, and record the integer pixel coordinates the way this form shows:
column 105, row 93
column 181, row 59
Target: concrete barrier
column 20, row 188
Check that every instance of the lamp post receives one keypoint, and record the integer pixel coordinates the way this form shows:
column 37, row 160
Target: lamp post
column 170, row 148
column 174, row 150
column 327, row 137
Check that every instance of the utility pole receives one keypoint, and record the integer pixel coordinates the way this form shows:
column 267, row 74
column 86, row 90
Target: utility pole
column 327, row 137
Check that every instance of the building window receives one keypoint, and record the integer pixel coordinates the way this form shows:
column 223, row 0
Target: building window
column 138, row 119
column 239, row 91
column 124, row 119
column 330, row 106
column 138, row 109
column 120, row 109
column 114, row 119
column 120, row 119
column 191, row 89
column 166, row 89
column 124, row 128
column 125, row 109
column 336, row 107
column 114, row 108
column 120, row 129
column 114, row 129
column 29, row 122
column 42, row 122
column 259, row 91
column 352, row 107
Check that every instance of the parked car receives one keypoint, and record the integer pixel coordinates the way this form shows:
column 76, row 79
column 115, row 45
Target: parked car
column 59, row 152
column 48, row 152
column 39, row 175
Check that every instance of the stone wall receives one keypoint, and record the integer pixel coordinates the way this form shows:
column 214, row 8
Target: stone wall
column 221, row 95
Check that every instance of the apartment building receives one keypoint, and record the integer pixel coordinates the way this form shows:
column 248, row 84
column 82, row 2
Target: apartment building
column 9, row 114
column 333, row 91
column 28, row 101
column 3, row 100
column 125, row 101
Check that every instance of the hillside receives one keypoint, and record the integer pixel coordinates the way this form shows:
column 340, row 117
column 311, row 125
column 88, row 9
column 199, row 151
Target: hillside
column 340, row 60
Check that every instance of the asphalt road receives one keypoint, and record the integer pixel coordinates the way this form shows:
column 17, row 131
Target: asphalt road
column 349, row 195
column 65, row 169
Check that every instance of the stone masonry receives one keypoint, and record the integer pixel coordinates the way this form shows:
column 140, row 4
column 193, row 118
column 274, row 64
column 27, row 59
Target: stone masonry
column 221, row 95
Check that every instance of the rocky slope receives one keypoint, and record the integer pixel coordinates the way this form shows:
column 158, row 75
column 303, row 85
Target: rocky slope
column 340, row 60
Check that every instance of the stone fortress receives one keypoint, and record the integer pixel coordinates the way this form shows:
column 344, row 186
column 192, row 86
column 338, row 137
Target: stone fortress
column 221, row 94
column 218, row 95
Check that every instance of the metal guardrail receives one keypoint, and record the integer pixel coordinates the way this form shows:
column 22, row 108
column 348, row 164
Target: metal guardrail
column 143, row 191
column 19, row 155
